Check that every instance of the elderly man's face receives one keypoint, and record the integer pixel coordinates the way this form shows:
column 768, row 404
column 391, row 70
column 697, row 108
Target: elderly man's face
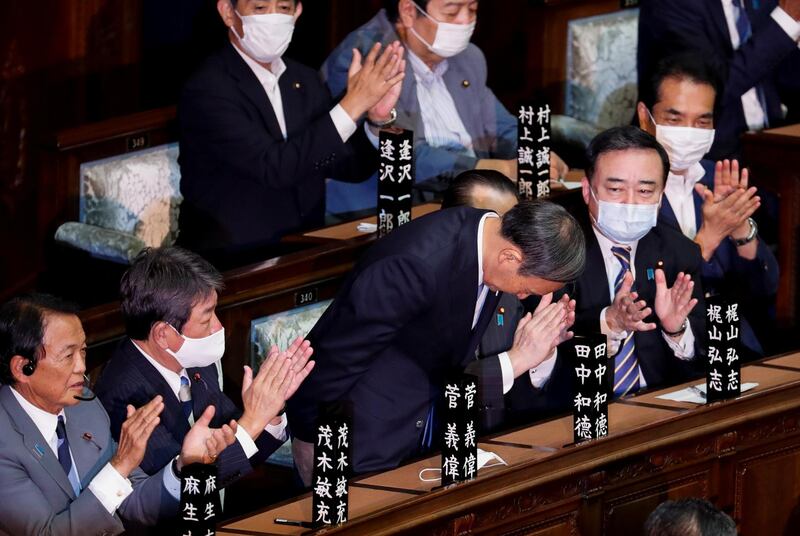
column 59, row 373
column 449, row 11
column 632, row 176
column 227, row 10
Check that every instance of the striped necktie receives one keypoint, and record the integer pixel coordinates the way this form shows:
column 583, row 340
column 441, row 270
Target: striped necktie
column 64, row 457
column 626, row 363
column 185, row 396
column 745, row 31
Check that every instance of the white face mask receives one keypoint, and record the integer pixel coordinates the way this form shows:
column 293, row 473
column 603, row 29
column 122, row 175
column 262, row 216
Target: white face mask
column 624, row 223
column 199, row 353
column 451, row 39
column 266, row 37
column 484, row 461
column 685, row 146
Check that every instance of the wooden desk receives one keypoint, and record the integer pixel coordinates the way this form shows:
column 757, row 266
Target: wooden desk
column 744, row 455
column 773, row 157
column 346, row 231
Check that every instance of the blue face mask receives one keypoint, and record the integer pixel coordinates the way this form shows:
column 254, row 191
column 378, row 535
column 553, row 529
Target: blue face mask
column 625, row 223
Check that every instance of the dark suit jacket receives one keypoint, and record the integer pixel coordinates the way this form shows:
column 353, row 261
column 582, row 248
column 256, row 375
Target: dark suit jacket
column 523, row 403
column 244, row 186
column 770, row 58
column 130, row 379
column 659, row 365
column 400, row 322
column 753, row 284
column 36, row 496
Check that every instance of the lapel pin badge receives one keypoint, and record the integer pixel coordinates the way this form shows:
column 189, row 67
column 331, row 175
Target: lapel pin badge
column 651, row 275
column 501, row 316
column 196, row 377
column 38, row 450
column 465, row 83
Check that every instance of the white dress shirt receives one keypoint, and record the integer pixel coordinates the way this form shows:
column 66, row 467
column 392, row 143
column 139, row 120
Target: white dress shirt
column 173, row 379
column 679, row 191
column 443, row 125
column 269, row 78
column 110, row 487
column 754, row 113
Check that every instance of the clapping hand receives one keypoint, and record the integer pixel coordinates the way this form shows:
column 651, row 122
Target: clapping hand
column 374, row 84
column 627, row 313
column 674, row 304
column 204, row 444
column 135, row 433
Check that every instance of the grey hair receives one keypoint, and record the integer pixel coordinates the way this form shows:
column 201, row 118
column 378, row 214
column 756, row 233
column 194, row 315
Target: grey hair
column 552, row 242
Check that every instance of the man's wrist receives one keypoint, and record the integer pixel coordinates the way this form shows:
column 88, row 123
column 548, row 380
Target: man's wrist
column 676, row 333
column 352, row 108
column 250, row 426
column 708, row 244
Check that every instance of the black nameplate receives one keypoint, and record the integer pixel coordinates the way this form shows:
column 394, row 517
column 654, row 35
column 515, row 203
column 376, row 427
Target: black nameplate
column 590, row 403
column 723, row 373
column 306, row 296
column 459, row 429
column 137, row 143
column 200, row 505
column 533, row 150
column 395, row 179
column 332, row 465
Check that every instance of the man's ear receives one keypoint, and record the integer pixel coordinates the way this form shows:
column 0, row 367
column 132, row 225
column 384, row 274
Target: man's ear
column 510, row 258
column 16, row 364
column 298, row 10
column 225, row 10
column 406, row 13
column 586, row 190
column 159, row 334
column 645, row 121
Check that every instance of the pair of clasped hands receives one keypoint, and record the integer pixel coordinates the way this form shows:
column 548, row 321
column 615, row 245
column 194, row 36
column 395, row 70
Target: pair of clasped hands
column 263, row 397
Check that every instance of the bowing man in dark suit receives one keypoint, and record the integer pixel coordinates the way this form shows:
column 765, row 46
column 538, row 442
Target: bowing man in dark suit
column 413, row 309
column 654, row 331
column 518, row 381
column 259, row 134
column 709, row 204
column 60, row 469
column 169, row 296
column 752, row 43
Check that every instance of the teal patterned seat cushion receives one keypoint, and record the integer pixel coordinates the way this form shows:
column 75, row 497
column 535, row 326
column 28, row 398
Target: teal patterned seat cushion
column 100, row 242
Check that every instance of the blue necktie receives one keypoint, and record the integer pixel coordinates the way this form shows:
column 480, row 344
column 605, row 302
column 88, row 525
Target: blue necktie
column 64, row 457
column 185, row 396
column 626, row 363
column 745, row 31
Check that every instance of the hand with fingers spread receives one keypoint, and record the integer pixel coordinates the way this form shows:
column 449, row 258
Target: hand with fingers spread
column 727, row 208
column 299, row 352
column 204, row 444
column 627, row 312
column 674, row 304
column 538, row 334
column 374, row 84
column 135, row 433
column 263, row 397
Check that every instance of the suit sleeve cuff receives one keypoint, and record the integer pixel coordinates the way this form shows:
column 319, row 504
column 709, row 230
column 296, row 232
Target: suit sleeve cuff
column 171, row 482
column 345, row 126
column 278, row 431
column 246, row 442
column 110, row 488
column 542, row 373
column 787, row 23
column 506, row 370
column 684, row 347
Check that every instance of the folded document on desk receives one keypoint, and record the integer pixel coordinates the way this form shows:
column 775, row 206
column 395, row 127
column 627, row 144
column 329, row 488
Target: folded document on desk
column 365, row 227
column 696, row 394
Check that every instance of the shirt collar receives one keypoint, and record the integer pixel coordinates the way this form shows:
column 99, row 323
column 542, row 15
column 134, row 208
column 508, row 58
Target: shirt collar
column 480, row 244
column 685, row 183
column 268, row 77
column 173, row 379
column 45, row 422
column 422, row 72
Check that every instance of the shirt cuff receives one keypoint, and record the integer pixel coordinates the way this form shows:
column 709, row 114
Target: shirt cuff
column 246, row 442
column 278, row 431
column 373, row 139
column 683, row 348
column 345, row 126
column 507, row 370
column 614, row 337
column 542, row 373
column 110, row 488
column 171, row 482
column 787, row 23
